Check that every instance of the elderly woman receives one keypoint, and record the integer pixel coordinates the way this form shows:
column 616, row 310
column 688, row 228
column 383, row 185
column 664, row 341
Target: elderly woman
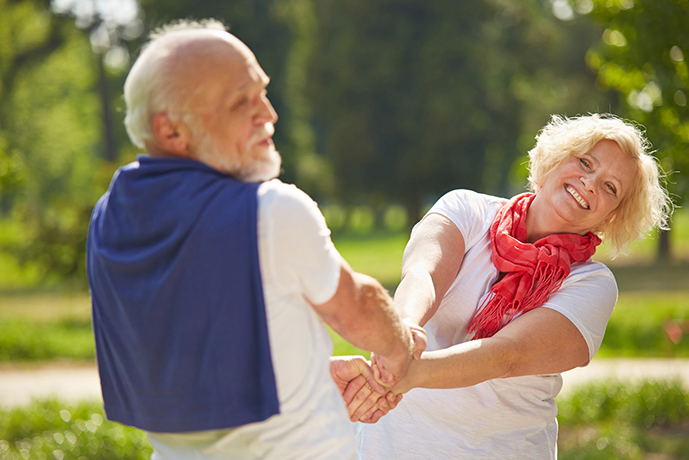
column 510, row 297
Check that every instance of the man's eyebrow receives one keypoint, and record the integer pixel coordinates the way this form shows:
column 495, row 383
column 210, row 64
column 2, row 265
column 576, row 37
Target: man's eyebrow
column 264, row 81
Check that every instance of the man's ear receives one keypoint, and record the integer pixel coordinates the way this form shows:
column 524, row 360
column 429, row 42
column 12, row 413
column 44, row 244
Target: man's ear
column 171, row 137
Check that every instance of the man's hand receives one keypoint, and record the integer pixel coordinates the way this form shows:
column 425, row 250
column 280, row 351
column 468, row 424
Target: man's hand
column 366, row 399
column 388, row 371
column 345, row 369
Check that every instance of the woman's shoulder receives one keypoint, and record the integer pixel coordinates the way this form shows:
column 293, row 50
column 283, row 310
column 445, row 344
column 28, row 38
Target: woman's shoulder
column 469, row 201
column 472, row 196
column 590, row 273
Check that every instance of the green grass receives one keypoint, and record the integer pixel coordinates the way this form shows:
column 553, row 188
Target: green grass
column 22, row 340
column 41, row 327
column 378, row 255
column 38, row 327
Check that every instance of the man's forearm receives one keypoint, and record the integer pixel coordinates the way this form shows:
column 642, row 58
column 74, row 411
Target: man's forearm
column 371, row 322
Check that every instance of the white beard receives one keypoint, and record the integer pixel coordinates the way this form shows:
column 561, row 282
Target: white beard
column 261, row 166
column 262, row 169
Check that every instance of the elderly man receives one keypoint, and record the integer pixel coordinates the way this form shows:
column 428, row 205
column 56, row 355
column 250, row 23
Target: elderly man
column 208, row 277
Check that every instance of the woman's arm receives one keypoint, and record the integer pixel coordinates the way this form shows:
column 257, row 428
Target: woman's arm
column 431, row 262
column 541, row 341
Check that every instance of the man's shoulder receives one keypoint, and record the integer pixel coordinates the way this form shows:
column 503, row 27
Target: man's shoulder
column 275, row 192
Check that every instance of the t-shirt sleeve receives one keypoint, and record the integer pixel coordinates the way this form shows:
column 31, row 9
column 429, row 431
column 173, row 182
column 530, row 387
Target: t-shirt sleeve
column 471, row 212
column 302, row 254
column 587, row 298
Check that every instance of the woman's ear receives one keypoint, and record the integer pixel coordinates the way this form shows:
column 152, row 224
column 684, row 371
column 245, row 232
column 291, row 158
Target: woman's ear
column 171, row 137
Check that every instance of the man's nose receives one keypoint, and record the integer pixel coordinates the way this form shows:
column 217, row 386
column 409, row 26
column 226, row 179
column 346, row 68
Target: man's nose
column 266, row 112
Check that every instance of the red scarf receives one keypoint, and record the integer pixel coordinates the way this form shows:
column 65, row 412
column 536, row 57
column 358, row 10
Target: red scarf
column 532, row 271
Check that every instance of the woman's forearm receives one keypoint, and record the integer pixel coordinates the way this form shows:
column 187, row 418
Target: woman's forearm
column 459, row 366
column 542, row 341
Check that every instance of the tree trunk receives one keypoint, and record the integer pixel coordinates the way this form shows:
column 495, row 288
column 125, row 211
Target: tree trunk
column 109, row 146
column 664, row 250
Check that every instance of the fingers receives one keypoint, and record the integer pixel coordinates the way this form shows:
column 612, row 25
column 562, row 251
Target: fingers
column 352, row 389
column 419, row 338
column 381, row 408
column 385, row 371
column 389, row 370
column 364, row 400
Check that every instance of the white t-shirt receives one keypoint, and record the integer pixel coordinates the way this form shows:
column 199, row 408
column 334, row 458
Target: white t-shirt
column 513, row 418
column 298, row 260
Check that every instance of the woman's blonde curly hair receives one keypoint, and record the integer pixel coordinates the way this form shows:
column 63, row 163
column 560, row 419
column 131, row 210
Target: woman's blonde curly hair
column 645, row 207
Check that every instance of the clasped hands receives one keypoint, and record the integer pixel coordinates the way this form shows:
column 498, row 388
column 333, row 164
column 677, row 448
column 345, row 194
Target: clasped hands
column 371, row 389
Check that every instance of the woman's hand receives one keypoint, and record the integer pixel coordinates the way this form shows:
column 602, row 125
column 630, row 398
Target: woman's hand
column 378, row 366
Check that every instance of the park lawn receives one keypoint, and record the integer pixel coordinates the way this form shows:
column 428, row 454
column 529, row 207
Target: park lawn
column 41, row 327
column 378, row 255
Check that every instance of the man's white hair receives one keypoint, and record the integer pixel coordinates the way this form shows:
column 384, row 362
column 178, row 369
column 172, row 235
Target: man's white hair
column 150, row 88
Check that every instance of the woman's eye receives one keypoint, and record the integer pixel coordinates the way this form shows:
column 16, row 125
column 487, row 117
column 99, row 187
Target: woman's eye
column 612, row 189
column 584, row 162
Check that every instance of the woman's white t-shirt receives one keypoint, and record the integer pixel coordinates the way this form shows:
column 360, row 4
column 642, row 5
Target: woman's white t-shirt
column 513, row 418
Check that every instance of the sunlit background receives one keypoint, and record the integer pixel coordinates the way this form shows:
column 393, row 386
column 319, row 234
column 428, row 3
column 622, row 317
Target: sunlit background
column 384, row 106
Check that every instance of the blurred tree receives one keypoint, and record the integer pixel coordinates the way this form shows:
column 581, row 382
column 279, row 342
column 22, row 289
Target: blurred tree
column 109, row 24
column 642, row 55
column 412, row 98
column 27, row 35
column 50, row 118
column 32, row 160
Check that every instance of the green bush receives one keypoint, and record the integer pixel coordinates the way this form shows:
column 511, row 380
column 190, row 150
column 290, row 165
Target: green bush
column 601, row 422
column 615, row 421
column 636, row 327
column 53, row 430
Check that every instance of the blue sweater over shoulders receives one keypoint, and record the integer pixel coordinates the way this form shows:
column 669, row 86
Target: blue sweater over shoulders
column 178, row 310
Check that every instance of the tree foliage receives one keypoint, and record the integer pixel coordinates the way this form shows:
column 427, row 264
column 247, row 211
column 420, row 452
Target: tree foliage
column 642, row 55
column 413, row 98
column 392, row 101
column 46, row 138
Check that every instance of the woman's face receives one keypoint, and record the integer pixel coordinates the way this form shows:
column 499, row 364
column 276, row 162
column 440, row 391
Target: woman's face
column 583, row 190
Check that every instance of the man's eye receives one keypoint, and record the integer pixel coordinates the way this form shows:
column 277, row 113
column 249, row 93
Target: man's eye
column 240, row 103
